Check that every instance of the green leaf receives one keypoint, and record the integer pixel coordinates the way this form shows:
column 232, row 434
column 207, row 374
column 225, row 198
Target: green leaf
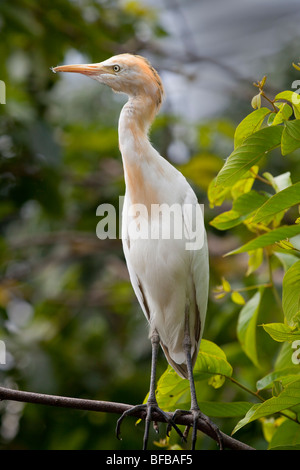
column 246, row 155
column 281, row 201
column 247, row 418
column 227, row 220
column 297, row 111
column 269, row 238
column 224, row 409
column 244, row 184
column 285, row 356
column 211, row 361
column 269, row 426
column 256, row 101
column 281, row 332
column 284, row 113
column 293, row 98
column 291, row 294
column 249, row 202
column 285, row 375
column 289, row 397
column 286, row 436
column 290, row 136
column 288, row 95
column 237, row 298
column 216, row 196
column 216, row 381
column 271, row 119
column 287, row 260
column 255, row 260
column 249, row 125
column 225, row 284
column 247, row 324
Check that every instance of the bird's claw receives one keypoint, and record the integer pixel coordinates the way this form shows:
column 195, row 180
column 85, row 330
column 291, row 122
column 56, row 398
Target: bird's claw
column 198, row 415
column 149, row 409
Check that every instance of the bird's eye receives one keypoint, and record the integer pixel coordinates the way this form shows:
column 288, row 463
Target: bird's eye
column 116, row 68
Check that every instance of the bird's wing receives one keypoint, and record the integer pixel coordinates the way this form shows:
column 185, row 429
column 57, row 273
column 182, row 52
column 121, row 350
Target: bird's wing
column 196, row 303
column 135, row 281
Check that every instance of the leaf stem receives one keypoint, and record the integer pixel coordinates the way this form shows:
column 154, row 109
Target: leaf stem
column 255, row 394
column 257, row 286
column 260, row 178
column 269, row 100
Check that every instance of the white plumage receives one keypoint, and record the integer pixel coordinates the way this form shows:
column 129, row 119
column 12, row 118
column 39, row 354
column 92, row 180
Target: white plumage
column 169, row 280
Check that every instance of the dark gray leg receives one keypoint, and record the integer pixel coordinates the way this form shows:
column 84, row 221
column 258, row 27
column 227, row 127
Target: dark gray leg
column 151, row 406
column 195, row 410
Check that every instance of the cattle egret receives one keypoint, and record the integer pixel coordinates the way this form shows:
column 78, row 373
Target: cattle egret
column 170, row 279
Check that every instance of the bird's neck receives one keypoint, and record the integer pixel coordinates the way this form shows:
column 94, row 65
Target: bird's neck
column 135, row 120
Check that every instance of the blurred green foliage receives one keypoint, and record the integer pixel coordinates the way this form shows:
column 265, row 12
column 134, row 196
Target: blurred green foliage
column 68, row 314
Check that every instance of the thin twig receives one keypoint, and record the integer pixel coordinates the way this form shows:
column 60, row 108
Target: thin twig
column 248, row 390
column 260, row 178
column 110, row 407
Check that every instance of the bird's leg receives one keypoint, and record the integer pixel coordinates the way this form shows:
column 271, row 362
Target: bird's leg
column 151, row 406
column 195, row 410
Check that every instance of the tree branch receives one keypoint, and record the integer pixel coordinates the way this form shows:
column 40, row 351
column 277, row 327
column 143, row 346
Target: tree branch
column 109, row 407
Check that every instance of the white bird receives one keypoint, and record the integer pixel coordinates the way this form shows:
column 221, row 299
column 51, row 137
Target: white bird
column 169, row 280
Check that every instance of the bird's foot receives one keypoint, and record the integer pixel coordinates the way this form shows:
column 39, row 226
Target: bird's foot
column 149, row 408
column 198, row 415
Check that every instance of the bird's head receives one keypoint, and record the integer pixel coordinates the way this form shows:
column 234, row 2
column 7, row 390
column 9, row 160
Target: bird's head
column 124, row 73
